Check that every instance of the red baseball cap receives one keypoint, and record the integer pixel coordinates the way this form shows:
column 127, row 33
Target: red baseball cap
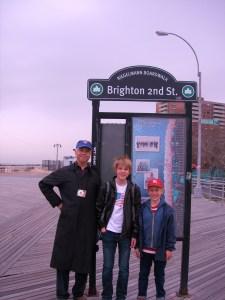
column 155, row 182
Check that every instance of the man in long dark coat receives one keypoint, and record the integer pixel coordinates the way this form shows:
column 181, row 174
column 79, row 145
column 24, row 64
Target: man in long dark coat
column 75, row 238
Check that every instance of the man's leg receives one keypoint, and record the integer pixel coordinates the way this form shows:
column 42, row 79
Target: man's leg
column 92, row 291
column 159, row 272
column 124, row 257
column 80, row 284
column 62, row 283
column 145, row 267
column 109, row 249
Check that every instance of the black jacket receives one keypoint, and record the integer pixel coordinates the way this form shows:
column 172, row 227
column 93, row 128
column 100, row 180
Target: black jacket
column 76, row 230
column 132, row 202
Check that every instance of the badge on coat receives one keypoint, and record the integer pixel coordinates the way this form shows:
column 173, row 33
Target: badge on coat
column 81, row 193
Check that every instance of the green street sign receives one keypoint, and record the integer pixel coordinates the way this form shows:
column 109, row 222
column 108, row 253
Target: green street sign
column 141, row 83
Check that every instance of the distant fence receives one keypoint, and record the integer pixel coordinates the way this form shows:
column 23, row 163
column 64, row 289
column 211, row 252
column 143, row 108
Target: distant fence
column 212, row 188
column 18, row 168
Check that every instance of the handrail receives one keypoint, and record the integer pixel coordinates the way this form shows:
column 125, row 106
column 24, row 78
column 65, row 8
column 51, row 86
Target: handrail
column 213, row 188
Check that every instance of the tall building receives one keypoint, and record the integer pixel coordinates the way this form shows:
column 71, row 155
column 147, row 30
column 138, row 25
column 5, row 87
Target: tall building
column 212, row 112
column 170, row 107
column 213, row 130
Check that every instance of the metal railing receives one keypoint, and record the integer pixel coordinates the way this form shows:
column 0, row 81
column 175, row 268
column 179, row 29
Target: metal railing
column 212, row 188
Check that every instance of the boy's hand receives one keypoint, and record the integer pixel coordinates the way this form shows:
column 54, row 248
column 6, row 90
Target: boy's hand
column 60, row 206
column 103, row 230
column 137, row 253
column 133, row 243
column 169, row 254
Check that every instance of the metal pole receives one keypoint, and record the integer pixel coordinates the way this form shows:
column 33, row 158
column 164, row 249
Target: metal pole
column 95, row 133
column 183, row 290
column 92, row 290
column 198, row 187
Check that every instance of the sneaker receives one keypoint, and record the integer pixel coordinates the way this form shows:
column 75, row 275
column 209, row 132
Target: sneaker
column 141, row 298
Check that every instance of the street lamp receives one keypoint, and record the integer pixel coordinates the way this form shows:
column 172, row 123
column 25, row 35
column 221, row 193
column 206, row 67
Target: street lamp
column 198, row 187
column 57, row 146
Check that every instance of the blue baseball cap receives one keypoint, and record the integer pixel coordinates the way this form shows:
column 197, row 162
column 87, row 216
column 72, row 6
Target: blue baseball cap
column 84, row 144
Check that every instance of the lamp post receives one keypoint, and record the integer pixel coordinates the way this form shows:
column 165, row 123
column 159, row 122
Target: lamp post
column 198, row 187
column 57, row 146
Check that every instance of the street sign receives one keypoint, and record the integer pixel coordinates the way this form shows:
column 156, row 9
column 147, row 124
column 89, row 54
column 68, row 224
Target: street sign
column 210, row 121
column 141, row 83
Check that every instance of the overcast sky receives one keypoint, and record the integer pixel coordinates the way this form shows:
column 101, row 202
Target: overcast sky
column 50, row 48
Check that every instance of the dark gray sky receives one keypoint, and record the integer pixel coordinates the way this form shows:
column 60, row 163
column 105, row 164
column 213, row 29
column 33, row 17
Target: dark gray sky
column 48, row 50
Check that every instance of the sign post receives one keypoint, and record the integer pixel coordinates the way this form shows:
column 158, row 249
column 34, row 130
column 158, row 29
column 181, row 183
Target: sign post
column 157, row 142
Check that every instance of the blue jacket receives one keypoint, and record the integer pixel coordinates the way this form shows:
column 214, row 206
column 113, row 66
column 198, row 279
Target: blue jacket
column 157, row 230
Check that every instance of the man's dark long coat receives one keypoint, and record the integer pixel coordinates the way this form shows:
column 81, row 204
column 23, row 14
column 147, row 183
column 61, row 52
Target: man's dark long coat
column 76, row 230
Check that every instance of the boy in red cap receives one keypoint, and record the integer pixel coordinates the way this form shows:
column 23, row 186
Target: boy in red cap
column 157, row 239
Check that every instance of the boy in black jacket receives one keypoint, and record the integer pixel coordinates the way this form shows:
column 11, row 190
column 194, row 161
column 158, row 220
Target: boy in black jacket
column 117, row 214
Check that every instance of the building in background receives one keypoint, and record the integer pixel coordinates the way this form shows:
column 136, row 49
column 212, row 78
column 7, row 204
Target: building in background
column 51, row 165
column 68, row 160
column 213, row 131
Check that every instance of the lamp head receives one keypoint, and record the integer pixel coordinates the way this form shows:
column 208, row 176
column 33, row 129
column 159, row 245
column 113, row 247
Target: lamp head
column 161, row 33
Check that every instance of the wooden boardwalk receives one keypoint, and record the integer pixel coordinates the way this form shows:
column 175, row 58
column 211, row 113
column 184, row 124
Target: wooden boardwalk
column 27, row 227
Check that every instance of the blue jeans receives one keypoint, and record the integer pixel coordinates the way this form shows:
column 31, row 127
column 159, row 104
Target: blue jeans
column 110, row 241
column 159, row 273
